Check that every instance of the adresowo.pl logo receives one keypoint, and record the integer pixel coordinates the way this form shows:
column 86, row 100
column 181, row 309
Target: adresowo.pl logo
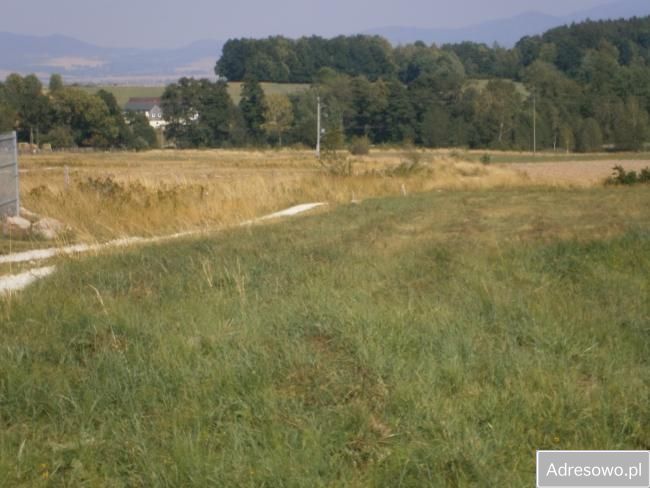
column 602, row 469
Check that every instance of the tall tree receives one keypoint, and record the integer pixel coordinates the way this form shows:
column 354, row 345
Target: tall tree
column 217, row 112
column 7, row 113
column 199, row 113
column 140, row 133
column 123, row 135
column 399, row 116
column 278, row 116
column 497, row 107
column 26, row 98
column 590, row 137
column 85, row 116
column 56, row 82
column 631, row 130
column 253, row 107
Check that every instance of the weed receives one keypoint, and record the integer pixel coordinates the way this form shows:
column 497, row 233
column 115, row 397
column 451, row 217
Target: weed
column 360, row 146
column 335, row 163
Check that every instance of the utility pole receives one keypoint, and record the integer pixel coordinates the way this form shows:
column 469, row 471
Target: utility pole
column 534, row 122
column 318, row 132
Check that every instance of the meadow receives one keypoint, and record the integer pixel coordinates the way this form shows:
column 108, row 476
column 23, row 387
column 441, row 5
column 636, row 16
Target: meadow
column 122, row 93
column 110, row 195
column 436, row 336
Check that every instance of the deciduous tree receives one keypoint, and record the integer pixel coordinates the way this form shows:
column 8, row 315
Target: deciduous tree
column 278, row 115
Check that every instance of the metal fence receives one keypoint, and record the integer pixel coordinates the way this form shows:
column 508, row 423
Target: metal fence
column 9, row 195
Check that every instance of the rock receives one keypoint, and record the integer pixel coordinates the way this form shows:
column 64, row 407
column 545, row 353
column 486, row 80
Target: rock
column 48, row 229
column 31, row 216
column 16, row 227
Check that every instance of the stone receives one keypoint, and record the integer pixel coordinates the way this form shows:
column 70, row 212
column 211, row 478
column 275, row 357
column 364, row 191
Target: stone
column 16, row 227
column 48, row 229
column 31, row 216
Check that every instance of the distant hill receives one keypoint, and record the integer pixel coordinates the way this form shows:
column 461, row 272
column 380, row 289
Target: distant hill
column 507, row 32
column 83, row 62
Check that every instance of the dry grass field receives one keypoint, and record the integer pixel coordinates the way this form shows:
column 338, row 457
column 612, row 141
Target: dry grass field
column 116, row 194
column 580, row 173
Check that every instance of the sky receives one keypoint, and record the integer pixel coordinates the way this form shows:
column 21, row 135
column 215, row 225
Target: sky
column 173, row 23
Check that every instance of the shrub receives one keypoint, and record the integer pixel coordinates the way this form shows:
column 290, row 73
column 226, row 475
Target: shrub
column 360, row 146
column 59, row 137
column 105, row 187
column 644, row 176
column 409, row 165
column 622, row 177
column 486, row 159
column 335, row 163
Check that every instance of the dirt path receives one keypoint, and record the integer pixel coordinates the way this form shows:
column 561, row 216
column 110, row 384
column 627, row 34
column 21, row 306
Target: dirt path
column 575, row 172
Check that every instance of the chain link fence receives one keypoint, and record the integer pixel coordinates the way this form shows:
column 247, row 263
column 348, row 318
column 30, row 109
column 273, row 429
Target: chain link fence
column 9, row 195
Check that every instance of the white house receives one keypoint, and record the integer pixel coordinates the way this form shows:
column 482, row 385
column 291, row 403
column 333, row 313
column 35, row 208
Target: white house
column 150, row 107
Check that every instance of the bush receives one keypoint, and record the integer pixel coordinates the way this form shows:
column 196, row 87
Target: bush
column 486, row 159
column 644, row 176
column 360, row 146
column 139, row 144
column 59, row 137
column 622, row 177
column 410, row 164
column 336, row 164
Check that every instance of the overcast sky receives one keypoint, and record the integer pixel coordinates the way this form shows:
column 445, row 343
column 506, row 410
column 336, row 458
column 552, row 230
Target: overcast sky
column 170, row 23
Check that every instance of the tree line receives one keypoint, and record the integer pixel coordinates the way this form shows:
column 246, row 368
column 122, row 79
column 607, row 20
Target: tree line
column 281, row 60
column 67, row 116
column 459, row 95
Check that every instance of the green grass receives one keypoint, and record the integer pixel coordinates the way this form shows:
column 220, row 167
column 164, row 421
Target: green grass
column 434, row 340
column 123, row 93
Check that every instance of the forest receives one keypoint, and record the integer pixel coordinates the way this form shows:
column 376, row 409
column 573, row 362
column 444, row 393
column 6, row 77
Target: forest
column 582, row 87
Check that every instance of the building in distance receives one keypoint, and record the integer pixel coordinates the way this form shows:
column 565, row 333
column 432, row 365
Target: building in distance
column 150, row 107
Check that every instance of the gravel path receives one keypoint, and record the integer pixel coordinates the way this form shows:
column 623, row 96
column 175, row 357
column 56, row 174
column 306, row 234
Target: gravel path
column 20, row 281
column 23, row 280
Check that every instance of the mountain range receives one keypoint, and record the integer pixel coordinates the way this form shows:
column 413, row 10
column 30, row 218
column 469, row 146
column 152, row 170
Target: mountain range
column 82, row 62
column 79, row 61
column 506, row 32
